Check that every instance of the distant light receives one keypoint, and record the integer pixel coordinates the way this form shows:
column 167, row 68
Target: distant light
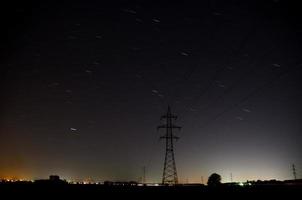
column 73, row 129
column 241, row 184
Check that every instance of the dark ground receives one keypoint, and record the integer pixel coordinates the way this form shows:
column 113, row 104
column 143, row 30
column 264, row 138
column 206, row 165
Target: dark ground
column 43, row 191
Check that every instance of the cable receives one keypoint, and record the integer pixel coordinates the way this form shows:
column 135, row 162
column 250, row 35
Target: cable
column 220, row 69
column 252, row 94
column 237, row 81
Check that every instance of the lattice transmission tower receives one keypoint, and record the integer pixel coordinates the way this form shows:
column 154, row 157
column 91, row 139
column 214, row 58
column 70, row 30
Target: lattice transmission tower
column 294, row 171
column 169, row 173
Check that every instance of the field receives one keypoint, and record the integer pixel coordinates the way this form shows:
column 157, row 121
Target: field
column 14, row 190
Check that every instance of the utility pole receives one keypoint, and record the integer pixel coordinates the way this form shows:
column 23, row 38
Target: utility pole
column 231, row 178
column 294, row 171
column 169, row 173
column 144, row 174
column 201, row 179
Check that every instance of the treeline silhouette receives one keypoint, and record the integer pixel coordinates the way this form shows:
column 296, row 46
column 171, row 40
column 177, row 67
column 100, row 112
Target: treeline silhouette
column 55, row 188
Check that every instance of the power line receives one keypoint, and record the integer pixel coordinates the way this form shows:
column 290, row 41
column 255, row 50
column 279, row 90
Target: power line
column 251, row 94
column 190, row 71
column 233, row 85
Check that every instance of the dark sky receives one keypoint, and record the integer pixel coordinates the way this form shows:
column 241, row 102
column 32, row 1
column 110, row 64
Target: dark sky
column 83, row 86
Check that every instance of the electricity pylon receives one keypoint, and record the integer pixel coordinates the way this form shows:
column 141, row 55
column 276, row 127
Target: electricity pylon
column 169, row 173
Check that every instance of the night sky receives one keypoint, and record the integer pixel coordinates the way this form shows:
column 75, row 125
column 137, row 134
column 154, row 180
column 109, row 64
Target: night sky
column 84, row 83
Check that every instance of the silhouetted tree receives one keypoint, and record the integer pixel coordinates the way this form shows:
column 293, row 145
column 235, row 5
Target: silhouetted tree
column 214, row 180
